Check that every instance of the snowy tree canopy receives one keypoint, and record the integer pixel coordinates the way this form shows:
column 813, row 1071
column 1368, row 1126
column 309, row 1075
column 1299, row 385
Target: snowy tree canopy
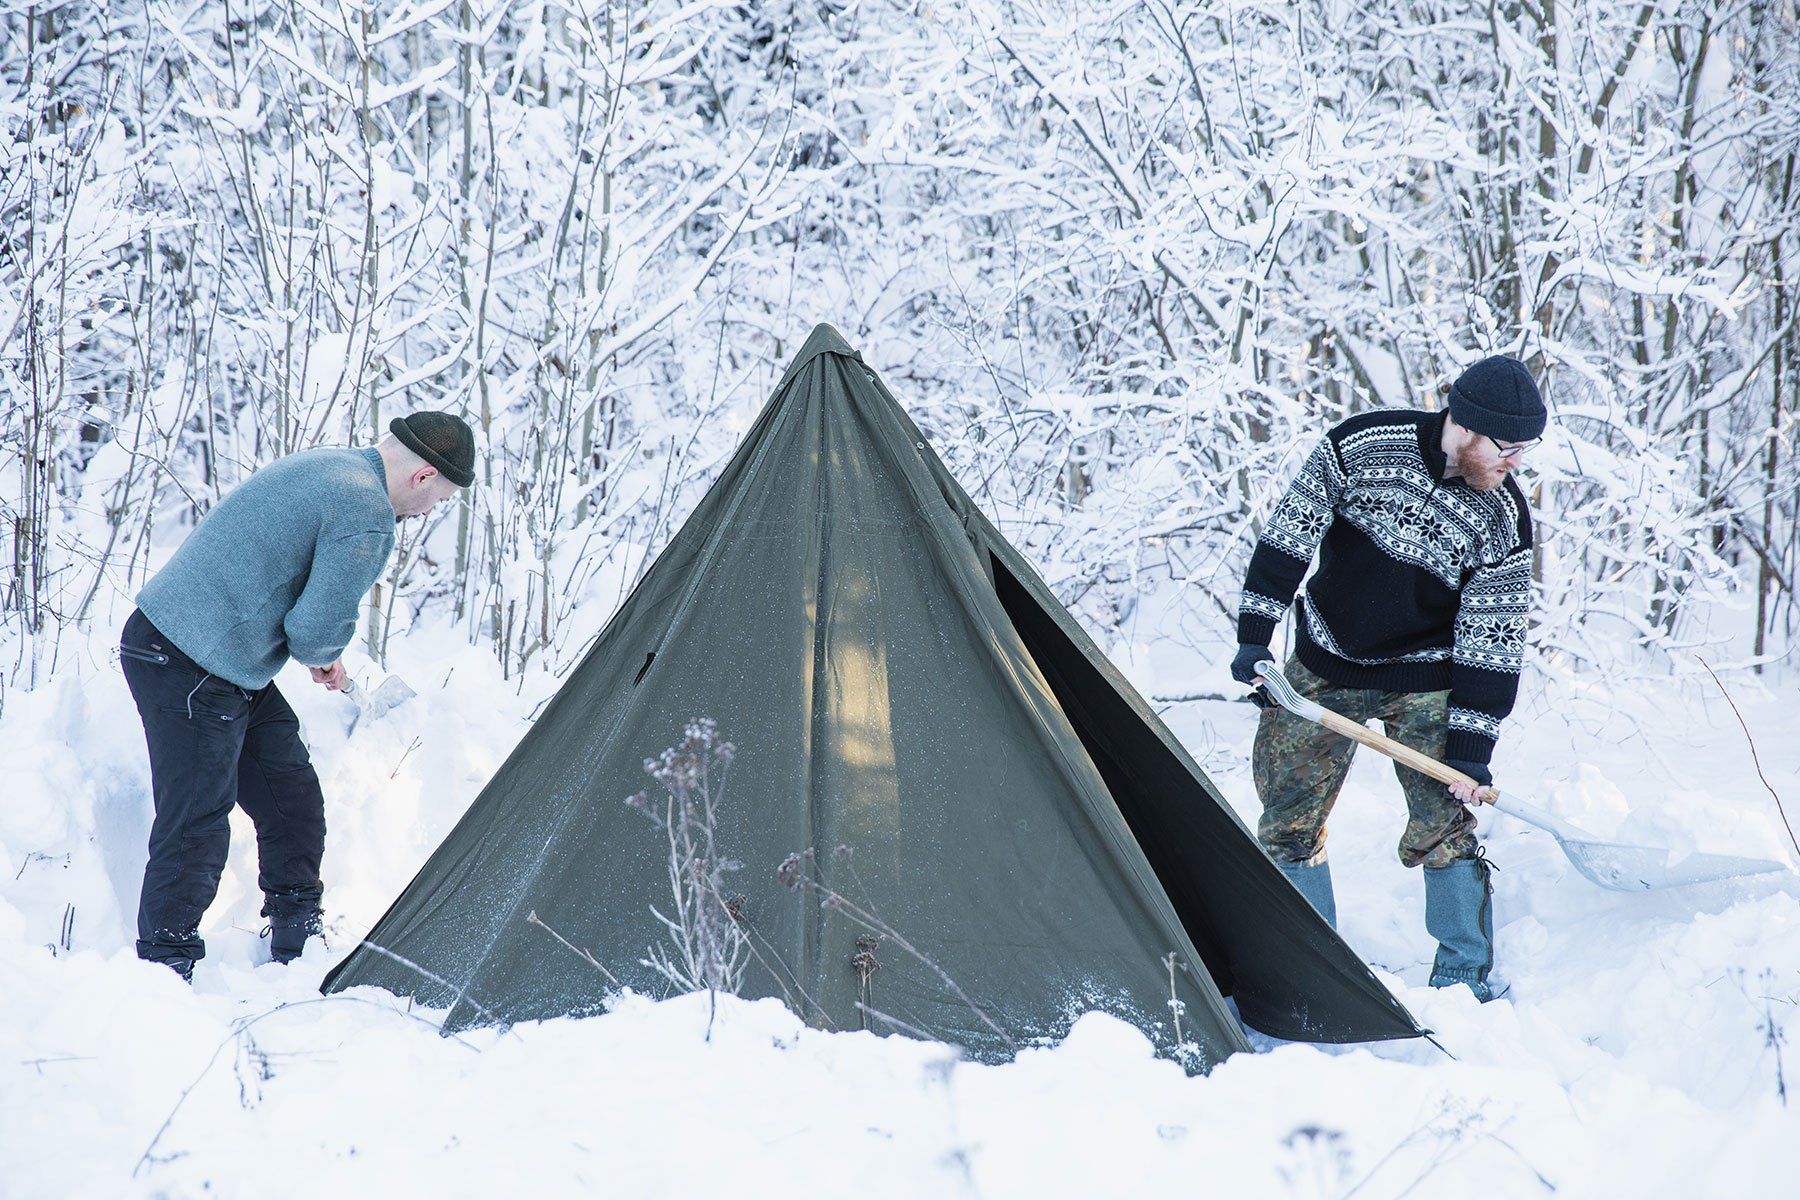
column 1125, row 261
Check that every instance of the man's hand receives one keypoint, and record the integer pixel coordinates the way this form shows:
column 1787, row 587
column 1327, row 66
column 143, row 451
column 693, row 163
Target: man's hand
column 1243, row 667
column 1479, row 792
column 332, row 677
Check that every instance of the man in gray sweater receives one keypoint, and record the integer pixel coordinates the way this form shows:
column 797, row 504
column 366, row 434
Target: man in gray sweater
column 276, row 570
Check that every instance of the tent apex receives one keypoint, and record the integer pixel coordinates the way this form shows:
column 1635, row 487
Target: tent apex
column 824, row 339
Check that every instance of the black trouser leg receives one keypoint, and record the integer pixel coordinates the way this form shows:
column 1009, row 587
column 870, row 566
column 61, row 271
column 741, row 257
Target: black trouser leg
column 194, row 726
column 278, row 788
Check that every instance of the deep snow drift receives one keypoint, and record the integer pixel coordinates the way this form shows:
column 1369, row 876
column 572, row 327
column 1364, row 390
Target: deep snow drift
column 1642, row 1050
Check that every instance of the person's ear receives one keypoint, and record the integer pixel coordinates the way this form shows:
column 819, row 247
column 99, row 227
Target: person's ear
column 424, row 475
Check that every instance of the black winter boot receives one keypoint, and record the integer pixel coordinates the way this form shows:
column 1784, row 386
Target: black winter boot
column 288, row 934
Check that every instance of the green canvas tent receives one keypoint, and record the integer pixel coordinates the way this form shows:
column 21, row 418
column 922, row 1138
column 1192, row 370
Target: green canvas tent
column 898, row 680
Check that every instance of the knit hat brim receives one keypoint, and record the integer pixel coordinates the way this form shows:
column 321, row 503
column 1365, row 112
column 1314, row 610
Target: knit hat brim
column 1498, row 397
column 441, row 439
column 1508, row 427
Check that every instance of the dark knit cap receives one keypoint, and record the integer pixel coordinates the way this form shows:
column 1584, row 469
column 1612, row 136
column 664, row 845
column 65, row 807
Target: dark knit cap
column 442, row 439
column 1497, row 397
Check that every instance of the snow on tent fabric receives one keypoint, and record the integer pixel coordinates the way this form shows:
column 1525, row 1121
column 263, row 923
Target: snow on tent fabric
column 898, row 680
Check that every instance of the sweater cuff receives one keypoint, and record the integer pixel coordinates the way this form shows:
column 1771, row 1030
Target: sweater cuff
column 1469, row 746
column 1253, row 630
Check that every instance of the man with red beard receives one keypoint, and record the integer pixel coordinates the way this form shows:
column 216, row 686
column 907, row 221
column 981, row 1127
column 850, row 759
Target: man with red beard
column 1416, row 617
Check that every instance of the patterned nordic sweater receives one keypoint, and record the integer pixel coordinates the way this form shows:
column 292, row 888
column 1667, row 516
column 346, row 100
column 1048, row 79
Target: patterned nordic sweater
column 1423, row 584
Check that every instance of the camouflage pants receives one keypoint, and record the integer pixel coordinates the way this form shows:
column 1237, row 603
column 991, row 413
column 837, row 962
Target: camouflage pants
column 1300, row 767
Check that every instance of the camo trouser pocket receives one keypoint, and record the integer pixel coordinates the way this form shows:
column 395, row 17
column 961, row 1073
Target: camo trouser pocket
column 1299, row 768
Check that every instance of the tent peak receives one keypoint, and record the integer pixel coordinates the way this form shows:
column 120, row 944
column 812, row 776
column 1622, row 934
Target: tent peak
column 824, row 339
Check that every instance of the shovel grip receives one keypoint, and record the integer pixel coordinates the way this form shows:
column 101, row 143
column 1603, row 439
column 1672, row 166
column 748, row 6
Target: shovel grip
column 1283, row 693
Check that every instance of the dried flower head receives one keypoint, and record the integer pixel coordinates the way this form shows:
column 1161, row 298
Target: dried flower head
column 793, row 868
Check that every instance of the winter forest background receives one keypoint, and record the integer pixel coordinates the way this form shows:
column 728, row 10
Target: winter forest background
column 1124, row 261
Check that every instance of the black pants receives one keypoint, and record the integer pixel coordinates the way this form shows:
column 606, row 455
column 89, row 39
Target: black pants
column 213, row 744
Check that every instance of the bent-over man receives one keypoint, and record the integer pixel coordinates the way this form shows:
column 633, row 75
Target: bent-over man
column 1416, row 616
column 276, row 570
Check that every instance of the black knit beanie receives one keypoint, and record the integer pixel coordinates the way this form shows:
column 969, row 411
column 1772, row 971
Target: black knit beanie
column 1497, row 397
column 442, row 439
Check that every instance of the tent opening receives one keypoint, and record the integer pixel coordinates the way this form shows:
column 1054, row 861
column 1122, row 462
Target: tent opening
column 1168, row 811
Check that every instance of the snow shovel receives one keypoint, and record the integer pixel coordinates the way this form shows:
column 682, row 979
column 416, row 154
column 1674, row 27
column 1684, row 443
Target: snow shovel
column 1616, row 865
column 393, row 691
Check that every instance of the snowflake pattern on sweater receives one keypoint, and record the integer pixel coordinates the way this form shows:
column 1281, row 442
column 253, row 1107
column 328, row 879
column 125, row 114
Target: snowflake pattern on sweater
column 1423, row 583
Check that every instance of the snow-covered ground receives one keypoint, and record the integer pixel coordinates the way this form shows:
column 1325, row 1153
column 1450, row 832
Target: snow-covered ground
column 1641, row 1051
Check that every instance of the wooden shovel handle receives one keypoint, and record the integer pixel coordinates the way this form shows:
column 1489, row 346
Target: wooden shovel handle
column 1338, row 723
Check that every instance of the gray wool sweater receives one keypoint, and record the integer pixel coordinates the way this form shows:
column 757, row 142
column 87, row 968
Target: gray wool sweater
column 279, row 567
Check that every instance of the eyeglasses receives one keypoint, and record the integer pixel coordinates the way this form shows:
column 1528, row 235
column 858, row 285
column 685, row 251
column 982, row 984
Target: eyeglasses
column 1516, row 449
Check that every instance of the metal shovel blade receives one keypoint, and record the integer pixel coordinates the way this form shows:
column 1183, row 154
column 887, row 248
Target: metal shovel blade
column 376, row 704
column 1627, row 868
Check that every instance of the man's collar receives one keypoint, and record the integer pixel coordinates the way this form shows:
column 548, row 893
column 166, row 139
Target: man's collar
column 1431, row 443
column 372, row 456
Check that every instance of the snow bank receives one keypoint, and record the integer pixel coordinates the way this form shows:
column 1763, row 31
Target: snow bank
column 1639, row 1051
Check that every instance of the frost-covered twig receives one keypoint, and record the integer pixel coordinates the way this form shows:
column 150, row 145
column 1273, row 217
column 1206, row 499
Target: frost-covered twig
column 241, row 1027
column 1186, row 1053
column 706, row 946
column 795, row 875
column 1755, row 760
column 531, row 918
column 462, row 992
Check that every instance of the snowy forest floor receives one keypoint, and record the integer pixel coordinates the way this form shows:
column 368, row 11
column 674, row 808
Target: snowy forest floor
column 1644, row 1048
